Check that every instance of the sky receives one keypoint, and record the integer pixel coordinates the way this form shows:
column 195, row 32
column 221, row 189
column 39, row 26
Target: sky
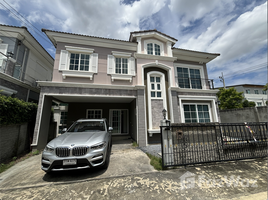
column 236, row 29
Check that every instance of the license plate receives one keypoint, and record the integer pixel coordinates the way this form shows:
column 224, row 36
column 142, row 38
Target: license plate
column 69, row 162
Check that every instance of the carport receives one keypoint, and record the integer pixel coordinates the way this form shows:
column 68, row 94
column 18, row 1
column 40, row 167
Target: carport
column 118, row 105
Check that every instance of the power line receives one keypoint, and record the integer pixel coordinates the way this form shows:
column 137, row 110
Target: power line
column 25, row 21
column 246, row 72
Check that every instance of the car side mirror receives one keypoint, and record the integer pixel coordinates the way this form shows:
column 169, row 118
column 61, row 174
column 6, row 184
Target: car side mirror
column 111, row 129
column 64, row 130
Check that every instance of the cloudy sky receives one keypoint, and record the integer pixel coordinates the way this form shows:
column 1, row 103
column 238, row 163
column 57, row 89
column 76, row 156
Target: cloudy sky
column 237, row 29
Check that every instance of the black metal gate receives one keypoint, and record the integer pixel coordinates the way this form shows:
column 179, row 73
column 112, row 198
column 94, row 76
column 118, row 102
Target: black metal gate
column 184, row 144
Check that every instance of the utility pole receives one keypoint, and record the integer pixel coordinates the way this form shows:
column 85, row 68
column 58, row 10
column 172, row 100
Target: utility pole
column 222, row 79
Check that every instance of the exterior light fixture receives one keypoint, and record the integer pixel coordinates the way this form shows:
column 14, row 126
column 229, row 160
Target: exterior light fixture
column 164, row 112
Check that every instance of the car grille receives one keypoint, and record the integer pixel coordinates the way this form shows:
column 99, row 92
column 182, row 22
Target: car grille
column 63, row 151
column 79, row 151
column 66, row 151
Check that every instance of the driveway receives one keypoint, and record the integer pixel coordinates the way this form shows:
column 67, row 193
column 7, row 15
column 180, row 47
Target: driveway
column 125, row 160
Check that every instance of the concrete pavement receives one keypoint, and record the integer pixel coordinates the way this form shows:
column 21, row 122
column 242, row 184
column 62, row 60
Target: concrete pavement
column 130, row 176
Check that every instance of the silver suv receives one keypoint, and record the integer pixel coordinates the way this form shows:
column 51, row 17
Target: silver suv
column 87, row 143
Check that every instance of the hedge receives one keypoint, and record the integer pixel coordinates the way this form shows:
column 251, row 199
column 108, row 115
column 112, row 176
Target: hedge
column 16, row 111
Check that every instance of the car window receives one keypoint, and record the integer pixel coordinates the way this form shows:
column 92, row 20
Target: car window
column 88, row 126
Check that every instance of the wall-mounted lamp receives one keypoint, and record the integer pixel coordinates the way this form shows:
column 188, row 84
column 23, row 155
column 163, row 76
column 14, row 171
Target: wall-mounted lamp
column 164, row 112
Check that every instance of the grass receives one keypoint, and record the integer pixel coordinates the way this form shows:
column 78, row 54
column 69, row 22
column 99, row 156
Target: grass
column 135, row 144
column 155, row 162
column 15, row 160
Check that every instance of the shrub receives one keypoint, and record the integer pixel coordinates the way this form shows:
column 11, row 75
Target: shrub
column 16, row 111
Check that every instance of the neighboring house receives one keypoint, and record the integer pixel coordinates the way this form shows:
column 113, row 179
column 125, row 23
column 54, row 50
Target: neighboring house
column 253, row 93
column 23, row 61
column 127, row 82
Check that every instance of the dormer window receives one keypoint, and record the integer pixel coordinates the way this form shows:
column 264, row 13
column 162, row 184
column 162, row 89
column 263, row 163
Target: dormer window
column 153, row 49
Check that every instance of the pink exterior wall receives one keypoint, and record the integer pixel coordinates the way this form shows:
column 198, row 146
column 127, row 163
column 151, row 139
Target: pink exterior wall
column 101, row 77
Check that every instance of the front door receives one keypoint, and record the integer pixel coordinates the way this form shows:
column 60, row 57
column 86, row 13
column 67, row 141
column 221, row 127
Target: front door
column 119, row 121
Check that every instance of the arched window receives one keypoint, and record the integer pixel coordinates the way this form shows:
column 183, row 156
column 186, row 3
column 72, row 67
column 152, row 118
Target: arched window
column 153, row 49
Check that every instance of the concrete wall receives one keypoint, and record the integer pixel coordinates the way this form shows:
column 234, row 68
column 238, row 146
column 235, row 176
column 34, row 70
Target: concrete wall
column 14, row 141
column 252, row 114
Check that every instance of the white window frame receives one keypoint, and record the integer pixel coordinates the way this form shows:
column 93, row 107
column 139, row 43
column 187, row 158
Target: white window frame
column 196, row 104
column 94, row 112
column 64, row 63
column 202, row 75
column 111, row 66
column 163, row 96
column 213, row 112
column 247, row 91
column 155, row 85
column 154, row 42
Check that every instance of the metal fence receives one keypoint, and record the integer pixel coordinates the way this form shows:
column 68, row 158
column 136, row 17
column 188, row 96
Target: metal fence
column 184, row 144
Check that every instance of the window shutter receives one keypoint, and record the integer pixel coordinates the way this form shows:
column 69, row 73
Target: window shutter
column 131, row 64
column 3, row 49
column 110, row 64
column 63, row 60
column 94, row 60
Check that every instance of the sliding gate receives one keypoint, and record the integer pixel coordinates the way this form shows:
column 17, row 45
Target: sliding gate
column 184, row 144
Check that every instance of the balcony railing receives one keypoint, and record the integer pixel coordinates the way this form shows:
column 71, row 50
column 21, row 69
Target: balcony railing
column 195, row 83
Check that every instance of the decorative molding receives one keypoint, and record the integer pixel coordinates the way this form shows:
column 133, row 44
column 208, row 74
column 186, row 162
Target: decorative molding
column 79, row 49
column 154, row 57
column 121, row 54
column 82, row 74
column 189, row 90
column 121, row 77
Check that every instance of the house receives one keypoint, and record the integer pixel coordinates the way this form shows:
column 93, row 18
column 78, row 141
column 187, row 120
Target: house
column 23, row 61
column 127, row 82
column 253, row 93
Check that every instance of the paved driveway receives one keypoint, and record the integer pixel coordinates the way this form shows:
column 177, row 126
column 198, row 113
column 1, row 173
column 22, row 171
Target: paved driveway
column 125, row 160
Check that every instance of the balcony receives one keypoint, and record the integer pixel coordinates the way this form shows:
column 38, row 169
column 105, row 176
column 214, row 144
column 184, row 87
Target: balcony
column 195, row 83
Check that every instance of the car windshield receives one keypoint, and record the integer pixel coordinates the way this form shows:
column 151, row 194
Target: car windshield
column 87, row 126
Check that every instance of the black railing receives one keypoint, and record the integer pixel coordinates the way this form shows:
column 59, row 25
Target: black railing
column 195, row 83
column 185, row 144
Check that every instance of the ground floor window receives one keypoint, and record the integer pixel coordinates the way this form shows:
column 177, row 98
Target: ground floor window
column 63, row 118
column 119, row 121
column 196, row 113
column 94, row 113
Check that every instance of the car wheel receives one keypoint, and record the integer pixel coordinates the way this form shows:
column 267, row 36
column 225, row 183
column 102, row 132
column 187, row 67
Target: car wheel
column 107, row 160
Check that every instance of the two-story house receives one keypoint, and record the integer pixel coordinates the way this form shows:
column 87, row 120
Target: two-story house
column 23, row 61
column 252, row 92
column 127, row 82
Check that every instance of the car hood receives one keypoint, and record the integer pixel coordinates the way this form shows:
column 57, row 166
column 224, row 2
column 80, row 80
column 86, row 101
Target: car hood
column 78, row 138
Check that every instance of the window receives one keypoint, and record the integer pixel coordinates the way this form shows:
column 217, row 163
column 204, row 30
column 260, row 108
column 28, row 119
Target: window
column 79, row 62
column 153, row 49
column 189, row 78
column 247, row 91
column 259, row 104
column 256, row 91
column 94, row 113
column 156, row 90
column 63, row 117
column 264, row 92
column 196, row 113
column 121, row 66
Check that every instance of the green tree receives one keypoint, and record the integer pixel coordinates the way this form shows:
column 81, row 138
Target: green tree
column 230, row 98
column 247, row 103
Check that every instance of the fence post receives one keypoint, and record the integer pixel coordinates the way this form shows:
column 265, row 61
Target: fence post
column 167, row 143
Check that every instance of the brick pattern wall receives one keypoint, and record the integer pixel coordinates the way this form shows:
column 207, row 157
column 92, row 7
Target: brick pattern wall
column 141, row 118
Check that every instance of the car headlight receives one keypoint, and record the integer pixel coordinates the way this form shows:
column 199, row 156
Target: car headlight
column 49, row 149
column 99, row 145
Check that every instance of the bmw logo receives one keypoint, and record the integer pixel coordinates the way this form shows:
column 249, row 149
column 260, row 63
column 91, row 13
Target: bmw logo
column 72, row 145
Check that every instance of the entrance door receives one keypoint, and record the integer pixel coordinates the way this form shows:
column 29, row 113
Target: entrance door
column 119, row 121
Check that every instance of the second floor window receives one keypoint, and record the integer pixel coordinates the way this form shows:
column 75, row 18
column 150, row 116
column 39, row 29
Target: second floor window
column 79, row 62
column 264, row 92
column 247, row 91
column 256, row 91
column 153, row 49
column 156, row 90
column 121, row 66
column 189, row 78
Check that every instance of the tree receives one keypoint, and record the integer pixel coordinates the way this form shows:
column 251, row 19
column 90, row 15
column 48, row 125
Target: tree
column 247, row 103
column 230, row 98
